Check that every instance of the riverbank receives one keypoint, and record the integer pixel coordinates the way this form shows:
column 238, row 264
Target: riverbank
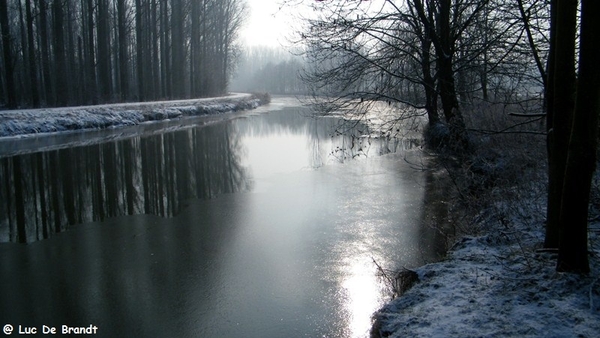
column 495, row 281
column 50, row 120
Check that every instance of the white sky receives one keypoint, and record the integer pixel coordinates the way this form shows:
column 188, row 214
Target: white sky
column 266, row 25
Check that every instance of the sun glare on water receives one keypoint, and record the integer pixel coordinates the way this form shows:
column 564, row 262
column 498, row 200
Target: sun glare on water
column 363, row 292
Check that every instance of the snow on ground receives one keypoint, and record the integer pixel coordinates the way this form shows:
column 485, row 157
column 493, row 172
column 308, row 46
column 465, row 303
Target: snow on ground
column 35, row 121
column 498, row 285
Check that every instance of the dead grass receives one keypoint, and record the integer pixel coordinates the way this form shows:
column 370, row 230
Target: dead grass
column 507, row 165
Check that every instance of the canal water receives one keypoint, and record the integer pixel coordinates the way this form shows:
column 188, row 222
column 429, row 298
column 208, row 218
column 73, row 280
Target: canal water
column 259, row 224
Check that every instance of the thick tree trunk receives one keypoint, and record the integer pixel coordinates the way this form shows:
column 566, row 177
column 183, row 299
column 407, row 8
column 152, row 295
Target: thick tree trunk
column 562, row 78
column 445, row 53
column 437, row 24
column 581, row 161
column 45, row 49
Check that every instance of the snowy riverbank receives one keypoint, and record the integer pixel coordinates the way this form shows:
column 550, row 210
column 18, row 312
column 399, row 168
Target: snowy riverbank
column 48, row 120
column 498, row 284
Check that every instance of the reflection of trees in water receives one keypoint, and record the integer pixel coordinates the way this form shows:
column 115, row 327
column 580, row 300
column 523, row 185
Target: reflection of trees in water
column 44, row 193
column 328, row 137
column 436, row 229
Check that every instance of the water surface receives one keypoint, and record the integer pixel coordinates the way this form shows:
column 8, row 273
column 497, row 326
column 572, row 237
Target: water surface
column 258, row 226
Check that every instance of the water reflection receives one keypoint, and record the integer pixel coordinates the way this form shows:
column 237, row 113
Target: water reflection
column 46, row 192
column 291, row 254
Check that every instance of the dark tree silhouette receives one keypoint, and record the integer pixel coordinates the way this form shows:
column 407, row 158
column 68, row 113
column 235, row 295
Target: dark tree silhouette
column 582, row 137
column 95, row 51
column 11, row 99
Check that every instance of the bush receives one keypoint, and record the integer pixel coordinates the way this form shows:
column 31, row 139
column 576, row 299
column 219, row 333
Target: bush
column 264, row 98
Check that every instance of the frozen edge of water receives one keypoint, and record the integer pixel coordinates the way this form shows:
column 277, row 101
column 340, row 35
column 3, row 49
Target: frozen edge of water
column 27, row 122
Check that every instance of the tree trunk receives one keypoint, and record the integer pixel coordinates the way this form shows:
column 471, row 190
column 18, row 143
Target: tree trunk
column 139, row 29
column 164, row 50
column 155, row 48
column 71, row 65
column 581, row 160
column 23, row 82
column 177, row 47
column 8, row 61
column 90, row 58
column 45, row 49
column 35, row 96
column 561, row 76
column 103, row 40
column 123, row 62
column 194, row 49
column 445, row 53
column 436, row 22
column 59, row 54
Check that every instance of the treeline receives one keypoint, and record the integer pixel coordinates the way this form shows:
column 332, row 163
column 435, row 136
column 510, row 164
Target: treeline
column 439, row 56
column 268, row 69
column 72, row 52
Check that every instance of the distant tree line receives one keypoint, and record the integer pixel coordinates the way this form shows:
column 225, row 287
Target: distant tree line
column 71, row 52
column 269, row 69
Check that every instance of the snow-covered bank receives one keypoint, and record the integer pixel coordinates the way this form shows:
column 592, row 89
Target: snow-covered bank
column 499, row 284
column 35, row 121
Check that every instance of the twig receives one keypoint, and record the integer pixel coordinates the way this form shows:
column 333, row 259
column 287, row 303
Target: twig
column 383, row 274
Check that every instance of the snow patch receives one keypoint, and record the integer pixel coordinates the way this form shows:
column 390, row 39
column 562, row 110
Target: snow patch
column 497, row 285
column 35, row 121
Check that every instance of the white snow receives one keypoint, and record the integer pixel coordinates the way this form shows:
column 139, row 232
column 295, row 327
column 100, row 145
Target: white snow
column 498, row 285
column 35, row 121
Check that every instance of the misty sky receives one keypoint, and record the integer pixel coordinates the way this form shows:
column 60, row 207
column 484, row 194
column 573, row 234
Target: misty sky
column 266, row 25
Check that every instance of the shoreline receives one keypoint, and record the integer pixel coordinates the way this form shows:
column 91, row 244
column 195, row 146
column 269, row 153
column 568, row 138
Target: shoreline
column 495, row 280
column 26, row 122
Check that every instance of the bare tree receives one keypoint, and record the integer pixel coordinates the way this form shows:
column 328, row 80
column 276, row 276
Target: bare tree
column 582, row 136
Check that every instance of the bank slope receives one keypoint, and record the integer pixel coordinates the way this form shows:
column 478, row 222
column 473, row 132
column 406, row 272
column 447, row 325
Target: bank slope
column 49, row 120
column 499, row 284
